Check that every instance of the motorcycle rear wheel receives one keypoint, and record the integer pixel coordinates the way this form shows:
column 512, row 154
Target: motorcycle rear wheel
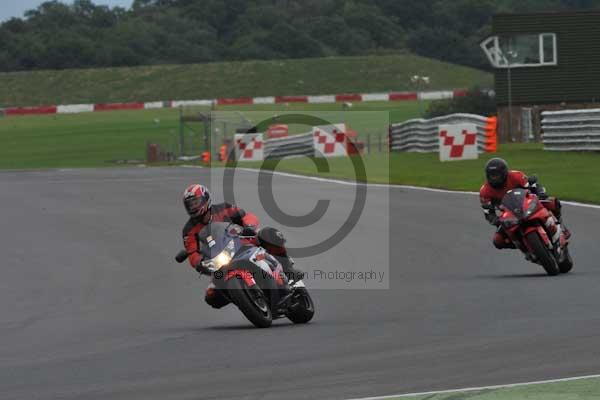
column 304, row 310
column 545, row 258
column 567, row 261
column 251, row 301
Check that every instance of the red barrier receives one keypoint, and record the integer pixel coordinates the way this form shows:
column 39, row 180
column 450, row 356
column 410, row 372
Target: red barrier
column 277, row 131
column 291, row 99
column 400, row 96
column 235, row 101
column 30, row 110
column 152, row 152
column 491, row 135
column 118, row 106
column 348, row 97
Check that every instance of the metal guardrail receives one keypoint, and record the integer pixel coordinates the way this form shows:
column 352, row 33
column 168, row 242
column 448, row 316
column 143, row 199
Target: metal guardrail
column 571, row 130
column 297, row 145
column 421, row 135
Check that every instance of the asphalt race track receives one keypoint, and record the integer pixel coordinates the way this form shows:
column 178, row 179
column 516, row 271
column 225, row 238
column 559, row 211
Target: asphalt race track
column 92, row 305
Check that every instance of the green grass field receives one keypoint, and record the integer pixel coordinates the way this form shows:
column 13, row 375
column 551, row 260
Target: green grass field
column 82, row 140
column 233, row 79
column 565, row 174
column 582, row 389
column 94, row 139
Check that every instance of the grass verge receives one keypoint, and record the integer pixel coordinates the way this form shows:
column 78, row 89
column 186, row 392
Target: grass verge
column 581, row 389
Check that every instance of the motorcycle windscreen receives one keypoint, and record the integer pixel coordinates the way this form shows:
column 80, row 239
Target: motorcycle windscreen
column 215, row 236
column 513, row 201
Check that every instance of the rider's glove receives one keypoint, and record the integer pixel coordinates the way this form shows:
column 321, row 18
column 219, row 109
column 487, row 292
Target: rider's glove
column 536, row 188
column 489, row 211
column 201, row 269
column 532, row 180
column 249, row 231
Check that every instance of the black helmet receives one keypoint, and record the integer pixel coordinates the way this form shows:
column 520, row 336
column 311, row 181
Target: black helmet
column 496, row 172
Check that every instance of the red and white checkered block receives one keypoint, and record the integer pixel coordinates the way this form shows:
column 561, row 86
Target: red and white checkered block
column 249, row 147
column 458, row 142
column 330, row 140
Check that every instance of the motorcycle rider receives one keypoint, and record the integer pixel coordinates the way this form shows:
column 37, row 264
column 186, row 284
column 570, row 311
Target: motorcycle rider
column 197, row 203
column 499, row 180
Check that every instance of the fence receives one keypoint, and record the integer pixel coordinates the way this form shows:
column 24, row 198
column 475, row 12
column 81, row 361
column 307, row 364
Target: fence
column 571, row 130
column 421, row 135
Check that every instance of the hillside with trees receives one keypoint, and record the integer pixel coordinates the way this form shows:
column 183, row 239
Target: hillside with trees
column 83, row 35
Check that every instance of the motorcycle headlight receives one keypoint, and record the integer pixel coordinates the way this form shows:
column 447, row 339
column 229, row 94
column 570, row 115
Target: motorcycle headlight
column 531, row 208
column 222, row 259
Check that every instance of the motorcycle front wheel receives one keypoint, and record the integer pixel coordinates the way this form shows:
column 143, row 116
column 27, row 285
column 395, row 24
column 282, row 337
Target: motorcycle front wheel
column 542, row 253
column 251, row 301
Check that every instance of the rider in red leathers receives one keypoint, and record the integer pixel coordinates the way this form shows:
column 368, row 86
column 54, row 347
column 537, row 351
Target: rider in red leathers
column 499, row 180
column 197, row 202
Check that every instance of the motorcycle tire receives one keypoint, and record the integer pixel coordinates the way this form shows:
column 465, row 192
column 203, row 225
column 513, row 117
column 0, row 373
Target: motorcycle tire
column 303, row 310
column 545, row 258
column 567, row 261
column 251, row 301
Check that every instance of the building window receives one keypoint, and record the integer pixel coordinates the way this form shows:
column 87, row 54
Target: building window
column 548, row 48
column 526, row 50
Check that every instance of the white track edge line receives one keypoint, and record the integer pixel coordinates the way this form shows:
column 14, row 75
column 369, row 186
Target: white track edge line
column 473, row 389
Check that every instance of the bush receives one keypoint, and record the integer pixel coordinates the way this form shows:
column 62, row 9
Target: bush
column 475, row 101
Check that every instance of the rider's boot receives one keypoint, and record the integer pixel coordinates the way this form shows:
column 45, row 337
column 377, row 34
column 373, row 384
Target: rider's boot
column 502, row 241
column 215, row 298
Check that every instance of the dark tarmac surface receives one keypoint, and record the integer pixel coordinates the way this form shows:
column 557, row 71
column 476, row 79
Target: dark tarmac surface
column 92, row 305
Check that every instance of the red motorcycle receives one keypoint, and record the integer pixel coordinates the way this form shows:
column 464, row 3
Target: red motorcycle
column 534, row 230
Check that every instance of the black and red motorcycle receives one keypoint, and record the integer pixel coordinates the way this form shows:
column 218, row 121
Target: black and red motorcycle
column 535, row 231
column 251, row 278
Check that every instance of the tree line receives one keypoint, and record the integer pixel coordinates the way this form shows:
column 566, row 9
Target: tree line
column 81, row 34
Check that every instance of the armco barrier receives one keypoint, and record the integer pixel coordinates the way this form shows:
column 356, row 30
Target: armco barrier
column 118, row 106
column 30, row 110
column 334, row 98
column 571, row 130
column 421, row 135
column 75, row 108
column 297, row 145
